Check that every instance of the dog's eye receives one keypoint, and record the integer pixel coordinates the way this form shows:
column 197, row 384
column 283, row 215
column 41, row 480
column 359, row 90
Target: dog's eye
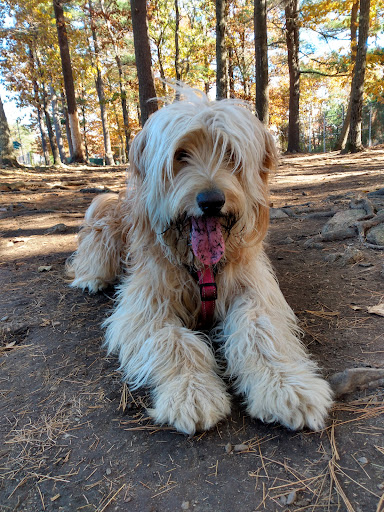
column 229, row 156
column 181, row 155
column 232, row 160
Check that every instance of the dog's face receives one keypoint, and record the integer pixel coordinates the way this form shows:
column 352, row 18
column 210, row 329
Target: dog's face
column 201, row 172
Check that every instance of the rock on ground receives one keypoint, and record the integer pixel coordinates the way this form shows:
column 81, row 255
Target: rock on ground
column 342, row 225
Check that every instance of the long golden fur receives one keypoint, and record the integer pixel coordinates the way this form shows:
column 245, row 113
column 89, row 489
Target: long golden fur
column 144, row 238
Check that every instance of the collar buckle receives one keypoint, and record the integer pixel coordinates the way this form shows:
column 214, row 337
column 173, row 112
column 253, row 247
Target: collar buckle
column 208, row 291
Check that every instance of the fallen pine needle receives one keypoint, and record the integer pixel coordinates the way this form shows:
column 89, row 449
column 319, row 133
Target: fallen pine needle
column 47, row 477
column 291, row 484
column 380, row 507
column 41, row 496
column 333, row 442
column 323, row 314
column 165, row 490
column 357, row 483
column 338, row 487
column 110, row 499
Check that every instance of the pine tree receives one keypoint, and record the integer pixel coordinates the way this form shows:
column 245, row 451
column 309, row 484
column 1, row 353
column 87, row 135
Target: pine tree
column 261, row 60
column 354, row 143
column 143, row 59
column 78, row 149
column 292, row 37
column 221, row 50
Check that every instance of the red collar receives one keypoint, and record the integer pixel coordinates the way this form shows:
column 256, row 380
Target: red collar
column 208, row 295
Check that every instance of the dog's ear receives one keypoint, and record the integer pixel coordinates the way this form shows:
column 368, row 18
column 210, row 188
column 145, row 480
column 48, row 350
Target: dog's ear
column 270, row 156
column 269, row 164
column 137, row 154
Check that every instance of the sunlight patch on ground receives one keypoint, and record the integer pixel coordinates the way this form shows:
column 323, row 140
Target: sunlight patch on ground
column 19, row 248
column 316, row 178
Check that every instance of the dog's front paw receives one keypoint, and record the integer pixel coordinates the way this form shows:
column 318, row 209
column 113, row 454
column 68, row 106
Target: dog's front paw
column 191, row 403
column 294, row 401
column 92, row 285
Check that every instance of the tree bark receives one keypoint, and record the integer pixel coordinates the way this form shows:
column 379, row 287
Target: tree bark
column 7, row 154
column 43, row 135
column 221, row 50
column 82, row 106
column 231, row 77
column 124, row 106
column 121, row 147
column 261, row 60
column 143, row 59
column 354, row 143
column 67, row 127
column 78, row 149
column 292, row 37
column 51, row 135
column 340, row 145
column 177, row 49
column 101, row 92
column 56, row 123
column 160, row 62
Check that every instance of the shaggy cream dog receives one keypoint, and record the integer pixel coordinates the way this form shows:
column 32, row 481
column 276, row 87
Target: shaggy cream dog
column 196, row 205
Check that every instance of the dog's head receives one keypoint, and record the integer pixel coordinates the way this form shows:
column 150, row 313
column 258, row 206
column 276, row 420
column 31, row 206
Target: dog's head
column 200, row 170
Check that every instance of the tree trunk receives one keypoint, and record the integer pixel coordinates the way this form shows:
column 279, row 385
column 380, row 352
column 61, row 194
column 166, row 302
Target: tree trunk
column 231, row 77
column 82, row 106
column 177, row 50
column 340, row 145
column 292, row 37
column 51, row 135
column 34, row 58
column 354, row 143
column 43, row 135
column 67, row 127
column 7, row 154
column 143, row 59
column 161, row 66
column 121, row 153
column 78, row 149
column 123, row 93
column 124, row 107
column 261, row 60
column 56, row 123
column 36, row 94
column 101, row 92
column 221, row 50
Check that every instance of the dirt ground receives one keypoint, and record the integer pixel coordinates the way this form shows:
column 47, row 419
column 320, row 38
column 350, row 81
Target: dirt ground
column 73, row 438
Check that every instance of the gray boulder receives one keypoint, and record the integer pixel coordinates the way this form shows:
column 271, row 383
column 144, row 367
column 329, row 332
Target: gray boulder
column 342, row 225
column 375, row 235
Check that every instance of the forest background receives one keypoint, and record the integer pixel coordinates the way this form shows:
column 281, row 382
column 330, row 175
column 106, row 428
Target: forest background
column 184, row 38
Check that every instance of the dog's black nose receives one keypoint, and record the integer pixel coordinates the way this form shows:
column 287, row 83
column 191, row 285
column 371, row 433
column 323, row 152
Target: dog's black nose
column 211, row 201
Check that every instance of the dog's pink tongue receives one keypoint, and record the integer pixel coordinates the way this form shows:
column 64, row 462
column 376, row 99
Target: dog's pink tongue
column 207, row 239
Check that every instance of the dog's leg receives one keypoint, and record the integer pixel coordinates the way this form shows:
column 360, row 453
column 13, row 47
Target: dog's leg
column 157, row 351
column 268, row 363
column 96, row 263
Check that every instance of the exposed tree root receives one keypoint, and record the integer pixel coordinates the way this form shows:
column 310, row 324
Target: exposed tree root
column 352, row 379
